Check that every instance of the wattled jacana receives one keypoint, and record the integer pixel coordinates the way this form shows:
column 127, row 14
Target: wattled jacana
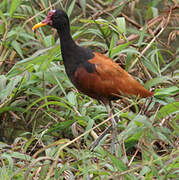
column 92, row 73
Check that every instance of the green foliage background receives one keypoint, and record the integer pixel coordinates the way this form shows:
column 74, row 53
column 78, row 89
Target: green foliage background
column 45, row 123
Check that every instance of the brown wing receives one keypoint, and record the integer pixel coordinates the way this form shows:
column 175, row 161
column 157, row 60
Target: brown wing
column 108, row 80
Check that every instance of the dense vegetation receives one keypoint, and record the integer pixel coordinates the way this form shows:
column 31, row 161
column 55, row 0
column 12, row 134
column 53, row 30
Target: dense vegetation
column 45, row 123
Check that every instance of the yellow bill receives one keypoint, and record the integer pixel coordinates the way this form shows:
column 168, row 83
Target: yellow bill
column 38, row 25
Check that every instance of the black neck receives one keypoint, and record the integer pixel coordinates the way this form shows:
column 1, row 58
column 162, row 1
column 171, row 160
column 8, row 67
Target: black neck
column 72, row 54
column 66, row 40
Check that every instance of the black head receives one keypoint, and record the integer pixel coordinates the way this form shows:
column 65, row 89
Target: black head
column 57, row 19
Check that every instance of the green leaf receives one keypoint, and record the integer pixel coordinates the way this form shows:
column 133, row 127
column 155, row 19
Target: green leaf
column 40, row 57
column 10, row 87
column 154, row 12
column 61, row 126
column 118, row 163
column 167, row 110
column 151, row 65
column 14, row 5
column 9, row 158
column 167, row 91
column 72, row 98
column 49, row 40
column 89, row 126
column 94, row 43
column 121, row 24
column 116, row 50
column 21, row 156
column 142, row 34
column 82, row 120
column 113, row 43
column 3, row 81
column 163, row 137
column 83, row 5
column 156, row 81
column 3, row 17
column 70, row 8
column 60, row 104
column 41, row 99
column 17, row 48
column 144, row 170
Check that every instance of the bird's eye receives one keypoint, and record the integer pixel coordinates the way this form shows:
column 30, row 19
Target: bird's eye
column 51, row 12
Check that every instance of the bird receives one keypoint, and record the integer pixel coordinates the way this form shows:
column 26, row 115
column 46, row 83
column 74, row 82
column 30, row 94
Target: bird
column 92, row 73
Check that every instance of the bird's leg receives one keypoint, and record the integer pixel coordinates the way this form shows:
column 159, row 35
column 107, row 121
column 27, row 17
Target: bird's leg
column 114, row 126
column 110, row 114
column 97, row 141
